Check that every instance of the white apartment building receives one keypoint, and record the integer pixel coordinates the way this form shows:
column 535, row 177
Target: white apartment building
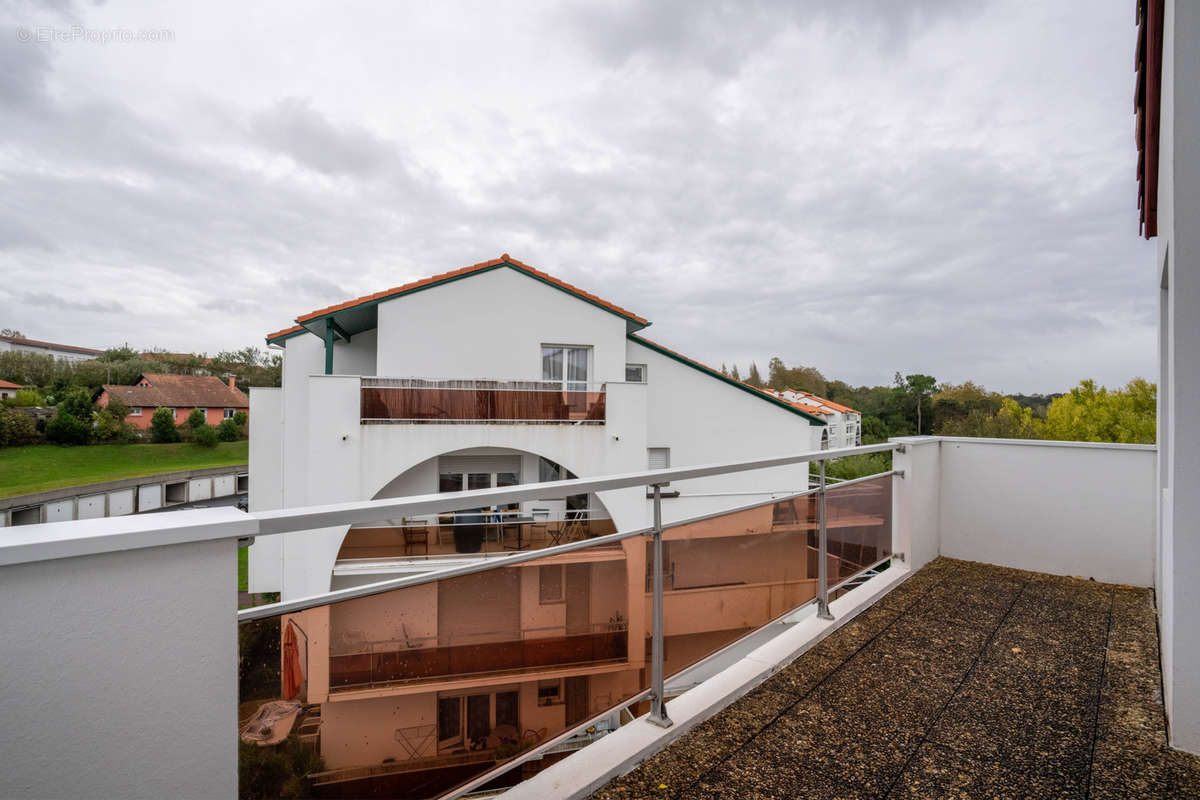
column 843, row 425
column 491, row 375
column 66, row 352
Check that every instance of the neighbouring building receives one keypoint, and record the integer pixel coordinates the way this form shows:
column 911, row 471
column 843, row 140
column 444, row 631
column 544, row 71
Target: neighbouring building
column 843, row 425
column 66, row 352
column 499, row 374
column 180, row 393
column 9, row 389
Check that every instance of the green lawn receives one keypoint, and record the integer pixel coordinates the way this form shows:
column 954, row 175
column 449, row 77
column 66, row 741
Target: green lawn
column 243, row 569
column 47, row 466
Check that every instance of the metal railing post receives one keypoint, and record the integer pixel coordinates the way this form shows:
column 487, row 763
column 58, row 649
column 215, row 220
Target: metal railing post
column 658, row 704
column 822, row 552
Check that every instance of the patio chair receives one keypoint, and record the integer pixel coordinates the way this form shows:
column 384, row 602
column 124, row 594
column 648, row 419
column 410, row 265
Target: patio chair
column 416, row 532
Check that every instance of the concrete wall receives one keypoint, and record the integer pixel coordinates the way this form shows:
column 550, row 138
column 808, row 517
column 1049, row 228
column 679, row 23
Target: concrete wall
column 1178, row 279
column 120, row 672
column 1067, row 508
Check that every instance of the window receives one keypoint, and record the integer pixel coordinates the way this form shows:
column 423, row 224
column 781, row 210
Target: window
column 136, row 411
column 229, row 412
column 175, row 413
column 550, row 584
column 635, row 373
column 659, row 457
column 203, row 411
column 566, row 365
column 549, row 693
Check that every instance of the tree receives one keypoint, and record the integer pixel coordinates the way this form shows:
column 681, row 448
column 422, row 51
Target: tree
column 11, row 332
column 196, row 419
column 805, row 379
column 67, row 429
column 723, row 370
column 1010, row 421
column 952, row 403
column 1095, row 414
column 754, row 379
column 162, row 426
column 733, row 373
column 77, row 403
column 913, row 389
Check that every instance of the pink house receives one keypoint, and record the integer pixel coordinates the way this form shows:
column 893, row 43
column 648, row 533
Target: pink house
column 182, row 393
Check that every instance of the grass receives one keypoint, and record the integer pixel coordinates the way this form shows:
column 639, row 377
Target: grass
column 46, row 466
column 243, row 569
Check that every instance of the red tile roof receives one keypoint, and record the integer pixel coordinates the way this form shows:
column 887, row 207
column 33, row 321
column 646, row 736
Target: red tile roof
column 483, row 266
column 286, row 332
column 1147, row 109
column 87, row 351
column 10, row 385
column 826, row 407
column 180, row 391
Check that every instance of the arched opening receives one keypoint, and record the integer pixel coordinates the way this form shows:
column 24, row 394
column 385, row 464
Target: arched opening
column 825, row 438
column 473, row 530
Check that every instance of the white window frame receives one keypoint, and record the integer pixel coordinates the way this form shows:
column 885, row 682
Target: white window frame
column 642, row 367
column 569, row 385
column 229, row 413
column 136, row 411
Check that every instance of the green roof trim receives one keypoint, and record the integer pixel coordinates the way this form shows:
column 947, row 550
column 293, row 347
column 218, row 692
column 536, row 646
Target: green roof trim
column 696, row 365
column 285, row 337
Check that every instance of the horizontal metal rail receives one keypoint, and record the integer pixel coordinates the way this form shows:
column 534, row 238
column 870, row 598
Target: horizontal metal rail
column 338, row 514
column 485, row 384
column 481, row 565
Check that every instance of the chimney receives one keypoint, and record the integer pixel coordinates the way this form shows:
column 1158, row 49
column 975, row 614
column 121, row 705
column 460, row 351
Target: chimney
column 232, row 382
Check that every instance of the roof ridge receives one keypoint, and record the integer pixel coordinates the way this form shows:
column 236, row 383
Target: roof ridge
column 504, row 260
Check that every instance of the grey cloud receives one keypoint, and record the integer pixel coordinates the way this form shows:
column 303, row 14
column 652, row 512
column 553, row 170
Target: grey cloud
column 295, row 128
column 50, row 301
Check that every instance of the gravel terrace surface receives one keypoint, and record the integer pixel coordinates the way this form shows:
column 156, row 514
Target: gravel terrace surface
column 966, row 681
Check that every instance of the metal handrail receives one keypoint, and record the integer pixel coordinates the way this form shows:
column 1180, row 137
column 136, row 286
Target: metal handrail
column 328, row 516
column 338, row 514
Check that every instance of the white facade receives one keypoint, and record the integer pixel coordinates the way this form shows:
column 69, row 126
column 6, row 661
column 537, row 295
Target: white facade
column 1178, row 279
column 493, row 325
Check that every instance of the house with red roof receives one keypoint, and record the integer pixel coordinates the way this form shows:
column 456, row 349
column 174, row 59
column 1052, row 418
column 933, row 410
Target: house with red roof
column 9, row 389
column 843, row 425
column 219, row 400
column 494, row 375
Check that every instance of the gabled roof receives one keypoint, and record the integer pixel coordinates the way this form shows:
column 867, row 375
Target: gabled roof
column 745, row 387
column 811, row 402
column 70, row 348
column 179, row 391
column 10, row 385
column 309, row 321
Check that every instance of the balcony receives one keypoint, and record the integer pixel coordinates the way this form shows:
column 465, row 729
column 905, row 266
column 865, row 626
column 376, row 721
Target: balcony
column 421, row 400
column 413, row 661
column 915, row 671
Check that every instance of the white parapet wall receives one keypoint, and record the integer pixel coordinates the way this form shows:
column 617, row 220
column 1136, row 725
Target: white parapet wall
column 1066, row 508
column 118, row 676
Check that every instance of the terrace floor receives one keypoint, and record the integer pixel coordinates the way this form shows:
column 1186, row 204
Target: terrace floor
column 965, row 681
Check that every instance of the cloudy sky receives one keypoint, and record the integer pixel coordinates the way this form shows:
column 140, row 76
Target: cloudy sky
column 864, row 186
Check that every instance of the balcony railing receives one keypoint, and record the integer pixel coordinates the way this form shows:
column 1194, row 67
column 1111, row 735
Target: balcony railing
column 428, row 400
column 444, row 657
column 611, row 647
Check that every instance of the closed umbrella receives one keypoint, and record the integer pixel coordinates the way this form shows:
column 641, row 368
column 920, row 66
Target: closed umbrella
column 292, row 675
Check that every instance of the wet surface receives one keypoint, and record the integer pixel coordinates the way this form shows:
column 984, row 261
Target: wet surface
column 965, row 681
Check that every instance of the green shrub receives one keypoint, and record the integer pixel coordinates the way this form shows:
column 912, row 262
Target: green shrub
column 117, row 409
column 162, row 426
column 24, row 397
column 78, row 404
column 205, row 436
column 195, row 419
column 16, row 428
column 228, row 431
column 68, row 429
column 240, row 418
column 112, row 429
